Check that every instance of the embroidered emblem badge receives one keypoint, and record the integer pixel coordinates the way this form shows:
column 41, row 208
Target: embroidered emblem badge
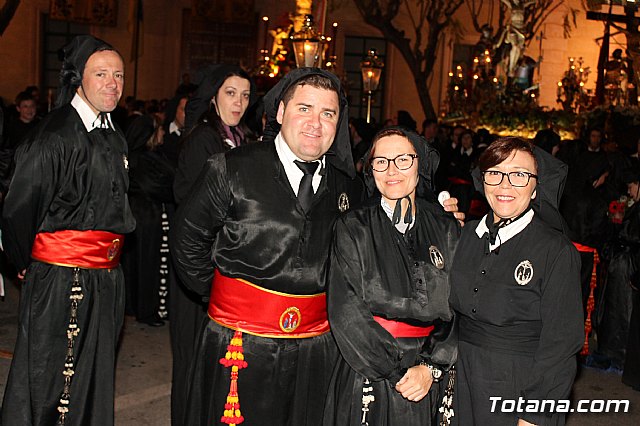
column 523, row 273
column 343, row 202
column 113, row 249
column 125, row 161
column 290, row 319
column 436, row 257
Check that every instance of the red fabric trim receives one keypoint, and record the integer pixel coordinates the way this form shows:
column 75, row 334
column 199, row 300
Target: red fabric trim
column 402, row 329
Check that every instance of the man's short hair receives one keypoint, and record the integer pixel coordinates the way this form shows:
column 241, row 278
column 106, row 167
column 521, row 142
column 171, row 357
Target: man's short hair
column 313, row 80
column 23, row 96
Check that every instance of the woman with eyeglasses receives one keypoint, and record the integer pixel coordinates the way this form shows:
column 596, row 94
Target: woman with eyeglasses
column 515, row 287
column 388, row 291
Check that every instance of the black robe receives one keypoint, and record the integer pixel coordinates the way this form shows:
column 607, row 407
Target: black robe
column 66, row 179
column 200, row 144
column 186, row 307
column 615, row 326
column 631, row 236
column 515, row 339
column 376, row 270
column 150, row 196
column 244, row 218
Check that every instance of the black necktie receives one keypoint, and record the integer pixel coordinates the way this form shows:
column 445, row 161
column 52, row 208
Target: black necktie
column 305, row 190
column 102, row 122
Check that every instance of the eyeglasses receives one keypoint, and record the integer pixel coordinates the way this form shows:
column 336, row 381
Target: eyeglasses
column 402, row 162
column 517, row 179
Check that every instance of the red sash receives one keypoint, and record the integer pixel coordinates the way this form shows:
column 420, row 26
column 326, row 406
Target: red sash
column 241, row 305
column 402, row 329
column 78, row 249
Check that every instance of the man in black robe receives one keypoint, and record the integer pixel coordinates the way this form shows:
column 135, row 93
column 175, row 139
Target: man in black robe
column 63, row 220
column 250, row 214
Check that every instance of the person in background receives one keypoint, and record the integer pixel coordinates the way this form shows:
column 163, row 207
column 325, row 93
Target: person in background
column 547, row 140
column 629, row 251
column 25, row 121
column 616, row 329
column 405, row 120
column 218, row 107
column 430, row 130
column 174, row 127
column 361, row 134
column 515, row 286
column 63, row 225
column 150, row 194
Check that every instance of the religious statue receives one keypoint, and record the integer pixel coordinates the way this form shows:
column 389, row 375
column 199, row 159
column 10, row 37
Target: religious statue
column 616, row 79
column 514, row 32
column 279, row 35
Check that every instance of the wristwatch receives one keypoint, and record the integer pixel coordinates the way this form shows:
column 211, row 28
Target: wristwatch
column 436, row 372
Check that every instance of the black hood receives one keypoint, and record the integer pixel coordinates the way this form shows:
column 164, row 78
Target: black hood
column 428, row 160
column 212, row 77
column 552, row 175
column 339, row 154
column 74, row 57
column 139, row 132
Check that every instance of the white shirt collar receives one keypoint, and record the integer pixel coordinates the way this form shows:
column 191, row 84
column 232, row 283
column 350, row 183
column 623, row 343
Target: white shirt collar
column 507, row 232
column 400, row 226
column 173, row 128
column 294, row 174
column 89, row 118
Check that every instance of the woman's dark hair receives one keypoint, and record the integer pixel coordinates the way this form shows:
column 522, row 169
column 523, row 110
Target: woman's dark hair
column 501, row 149
column 381, row 134
column 213, row 119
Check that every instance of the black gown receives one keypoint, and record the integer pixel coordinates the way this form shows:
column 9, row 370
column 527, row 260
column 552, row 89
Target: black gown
column 187, row 309
column 376, row 270
column 618, row 317
column 244, row 215
column 151, row 196
column 516, row 338
column 66, row 179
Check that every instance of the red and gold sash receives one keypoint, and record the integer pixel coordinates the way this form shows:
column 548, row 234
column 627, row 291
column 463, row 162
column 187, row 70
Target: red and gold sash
column 240, row 305
column 78, row 249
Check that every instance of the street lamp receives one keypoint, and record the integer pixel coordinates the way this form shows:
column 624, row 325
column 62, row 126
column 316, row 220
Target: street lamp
column 371, row 68
column 307, row 44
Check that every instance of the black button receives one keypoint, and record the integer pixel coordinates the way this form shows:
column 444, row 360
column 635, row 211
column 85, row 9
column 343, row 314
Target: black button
column 416, row 264
column 483, row 272
column 475, row 290
column 473, row 310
